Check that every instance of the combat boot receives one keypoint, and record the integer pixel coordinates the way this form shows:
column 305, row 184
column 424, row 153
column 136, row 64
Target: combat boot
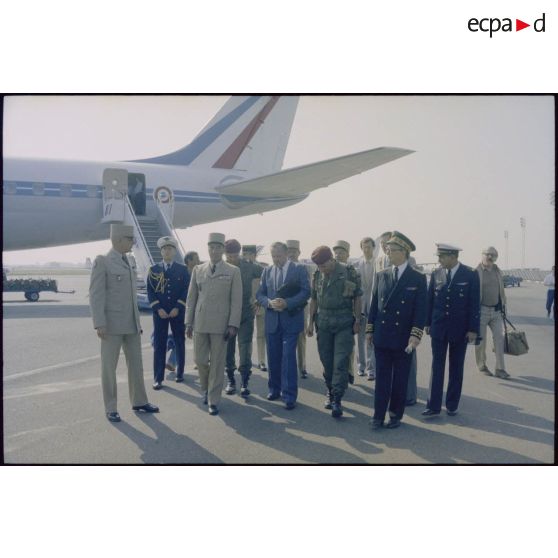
column 329, row 401
column 336, row 409
column 231, row 384
column 244, row 391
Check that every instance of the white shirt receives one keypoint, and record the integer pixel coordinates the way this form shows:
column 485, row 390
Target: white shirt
column 453, row 271
column 549, row 280
column 401, row 269
column 276, row 273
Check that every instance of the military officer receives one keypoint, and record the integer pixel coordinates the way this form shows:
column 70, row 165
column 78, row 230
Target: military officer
column 335, row 308
column 453, row 319
column 114, row 308
column 342, row 251
column 293, row 253
column 167, row 288
column 382, row 260
column 249, row 252
column 395, row 322
column 248, row 272
column 213, row 310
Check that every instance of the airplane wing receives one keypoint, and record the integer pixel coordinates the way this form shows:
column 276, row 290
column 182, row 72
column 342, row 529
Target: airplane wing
column 298, row 182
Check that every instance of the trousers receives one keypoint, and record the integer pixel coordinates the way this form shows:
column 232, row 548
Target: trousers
column 492, row 318
column 210, row 350
column 110, row 353
column 244, row 340
column 366, row 358
column 160, row 337
column 335, row 347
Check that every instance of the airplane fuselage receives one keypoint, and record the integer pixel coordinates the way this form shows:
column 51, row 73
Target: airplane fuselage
column 50, row 202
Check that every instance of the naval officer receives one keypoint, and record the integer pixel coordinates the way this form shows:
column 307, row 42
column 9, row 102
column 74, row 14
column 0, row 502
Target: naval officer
column 453, row 320
column 114, row 308
column 167, row 288
column 395, row 322
column 213, row 310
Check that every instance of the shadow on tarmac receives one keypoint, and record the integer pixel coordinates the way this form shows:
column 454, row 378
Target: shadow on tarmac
column 530, row 320
column 37, row 310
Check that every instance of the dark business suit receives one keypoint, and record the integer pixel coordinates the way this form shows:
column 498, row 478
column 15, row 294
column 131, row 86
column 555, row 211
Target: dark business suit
column 396, row 312
column 168, row 290
column 453, row 310
column 282, row 329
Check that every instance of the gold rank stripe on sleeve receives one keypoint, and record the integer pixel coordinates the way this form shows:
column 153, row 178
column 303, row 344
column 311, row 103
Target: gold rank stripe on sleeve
column 153, row 303
column 182, row 302
column 369, row 328
column 416, row 332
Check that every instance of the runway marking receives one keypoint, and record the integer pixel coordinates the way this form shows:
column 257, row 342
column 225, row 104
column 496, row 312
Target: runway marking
column 57, row 366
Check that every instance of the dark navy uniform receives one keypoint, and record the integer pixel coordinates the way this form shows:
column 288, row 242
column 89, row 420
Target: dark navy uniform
column 167, row 290
column 453, row 310
column 397, row 311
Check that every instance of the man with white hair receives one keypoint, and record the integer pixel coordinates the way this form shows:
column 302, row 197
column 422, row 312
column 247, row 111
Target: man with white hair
column 493, row 308
column 114, row 308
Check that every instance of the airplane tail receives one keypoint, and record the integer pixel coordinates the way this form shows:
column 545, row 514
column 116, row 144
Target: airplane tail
column 248, row 133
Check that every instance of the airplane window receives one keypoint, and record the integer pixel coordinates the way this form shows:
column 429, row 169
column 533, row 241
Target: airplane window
column 91, row 191
column 38, row 189
column 10, row 187
column 66, row 190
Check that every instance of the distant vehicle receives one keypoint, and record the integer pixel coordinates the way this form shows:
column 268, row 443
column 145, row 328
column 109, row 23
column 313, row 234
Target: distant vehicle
column 512, row 281
column 31, row 287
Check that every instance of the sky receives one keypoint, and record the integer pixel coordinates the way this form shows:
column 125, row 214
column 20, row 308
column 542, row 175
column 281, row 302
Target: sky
column 481, row 163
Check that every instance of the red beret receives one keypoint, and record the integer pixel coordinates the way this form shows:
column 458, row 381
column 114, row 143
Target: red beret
column 321, row 255
column 232, row 246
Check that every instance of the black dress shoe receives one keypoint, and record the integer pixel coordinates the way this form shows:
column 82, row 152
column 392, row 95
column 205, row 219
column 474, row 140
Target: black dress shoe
column 336, row 409
column 272, row 397
column 157, row 385
column 361, row 372
column 410, row 402
column 213, row 410
column 147, row 408
column 303, row 374
column 393, row 423
column 451, row 413
column 244, row 391
column 376, row 424
column 263, row 367
column 231, row 388
column 179, row 379
column 430, row 413
column 290, row 406
column 351, row 379
column 113, row 417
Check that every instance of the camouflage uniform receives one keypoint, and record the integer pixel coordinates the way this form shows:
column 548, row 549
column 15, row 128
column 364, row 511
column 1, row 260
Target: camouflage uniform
column 335, row 295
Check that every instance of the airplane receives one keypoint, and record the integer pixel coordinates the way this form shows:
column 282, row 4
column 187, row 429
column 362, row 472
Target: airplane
column 232, row 168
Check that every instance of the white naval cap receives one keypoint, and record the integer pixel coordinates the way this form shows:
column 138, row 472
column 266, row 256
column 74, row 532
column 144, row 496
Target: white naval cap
column 444, row 248
column 166, row 241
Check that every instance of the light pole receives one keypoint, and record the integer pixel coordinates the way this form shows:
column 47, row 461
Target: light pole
column 506, row 235
column 523, row 223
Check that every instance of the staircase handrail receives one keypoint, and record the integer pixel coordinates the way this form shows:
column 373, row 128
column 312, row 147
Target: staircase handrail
column 172, row 231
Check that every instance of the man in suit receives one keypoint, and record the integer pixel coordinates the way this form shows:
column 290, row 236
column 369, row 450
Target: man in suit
column 248, row 272
column 335, row 308
column 284, row 320
column 213, row 310
column 114, row 308
column 293, row 253
column 395, row 323
column 452, row 321
column 167, row 288
column 365, row 268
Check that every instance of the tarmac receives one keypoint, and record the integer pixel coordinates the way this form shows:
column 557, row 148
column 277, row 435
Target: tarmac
column 53, row 411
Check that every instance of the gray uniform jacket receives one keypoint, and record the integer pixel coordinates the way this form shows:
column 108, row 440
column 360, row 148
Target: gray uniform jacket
column 214, row 302
column 112, row 295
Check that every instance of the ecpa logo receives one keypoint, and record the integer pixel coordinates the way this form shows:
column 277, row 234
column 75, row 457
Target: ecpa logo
column 494, row 24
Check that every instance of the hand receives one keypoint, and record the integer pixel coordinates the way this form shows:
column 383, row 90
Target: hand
column 414, row 341
column 427, row 330
column 278, row 304
column 162, row 314
column 471, row 336
column 356, row 327
column 231, row 332
column 369, row 338
column 310, row 330
column 102, row 332
column 173, row 313
column 189, row 331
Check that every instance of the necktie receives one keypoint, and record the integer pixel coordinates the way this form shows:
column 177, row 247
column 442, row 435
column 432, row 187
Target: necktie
column 396, row 275
column 212, row 269
column 279, row 278
column 125, row 259
column 448, row 280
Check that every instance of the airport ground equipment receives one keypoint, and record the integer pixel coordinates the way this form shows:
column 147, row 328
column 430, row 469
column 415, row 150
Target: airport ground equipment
column 31, row 287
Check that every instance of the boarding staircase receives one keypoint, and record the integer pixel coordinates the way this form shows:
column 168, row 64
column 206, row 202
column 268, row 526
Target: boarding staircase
column 148, row 228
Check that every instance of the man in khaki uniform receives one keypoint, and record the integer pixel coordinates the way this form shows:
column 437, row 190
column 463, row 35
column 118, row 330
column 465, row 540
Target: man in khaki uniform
column 114, row 308
column 293, row 253
column 249, row 252
column 213, row 310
